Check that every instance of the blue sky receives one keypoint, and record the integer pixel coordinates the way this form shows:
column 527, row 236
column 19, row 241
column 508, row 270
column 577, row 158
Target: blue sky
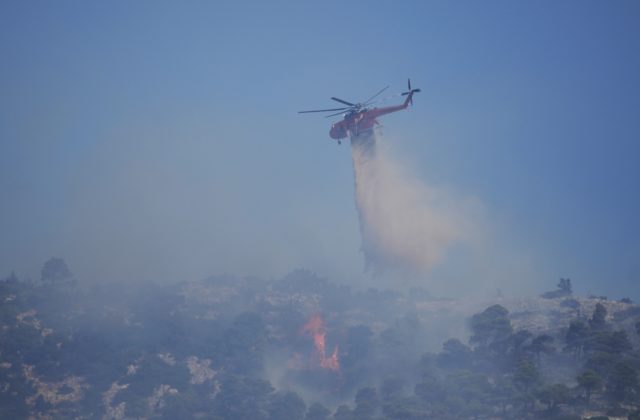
column 157, row 140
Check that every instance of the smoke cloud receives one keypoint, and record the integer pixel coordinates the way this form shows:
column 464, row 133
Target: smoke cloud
column 405, row 224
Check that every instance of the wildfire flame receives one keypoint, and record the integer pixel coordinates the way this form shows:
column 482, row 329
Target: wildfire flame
column 315, row 327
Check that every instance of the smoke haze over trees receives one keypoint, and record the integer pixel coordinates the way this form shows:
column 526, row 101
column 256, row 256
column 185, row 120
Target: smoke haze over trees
column 302, row 347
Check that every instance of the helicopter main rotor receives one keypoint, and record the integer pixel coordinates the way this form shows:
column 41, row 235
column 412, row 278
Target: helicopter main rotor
column 347, row 109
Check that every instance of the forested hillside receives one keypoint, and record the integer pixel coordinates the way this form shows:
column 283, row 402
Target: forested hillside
column 302, row 347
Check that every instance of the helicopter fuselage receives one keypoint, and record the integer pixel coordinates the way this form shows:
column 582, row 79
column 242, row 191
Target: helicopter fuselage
column 358, row 122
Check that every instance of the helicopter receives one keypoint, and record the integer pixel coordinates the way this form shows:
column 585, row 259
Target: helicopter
column 358, row 117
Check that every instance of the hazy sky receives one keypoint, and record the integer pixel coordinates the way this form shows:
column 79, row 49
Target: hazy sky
column 156, row 140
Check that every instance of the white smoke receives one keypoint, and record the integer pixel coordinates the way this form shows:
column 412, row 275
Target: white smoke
column 405, row 223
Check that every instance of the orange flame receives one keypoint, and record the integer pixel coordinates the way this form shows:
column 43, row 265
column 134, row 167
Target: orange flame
column 315, row 327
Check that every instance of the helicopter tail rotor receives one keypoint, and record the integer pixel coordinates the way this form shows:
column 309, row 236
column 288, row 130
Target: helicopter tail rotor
column 410, row 91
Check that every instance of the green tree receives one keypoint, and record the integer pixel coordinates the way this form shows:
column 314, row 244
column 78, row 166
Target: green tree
column 358, row 342
column 391, row 395
column 243, row 398
column 526, row 375
column 515, row 345
column 245, row 343
column 391, row 388
column 469, row 386
column 366, row 403
column 564, row 289
column 553, row 395
column 354, row 360
column 317, row 411
column 287, row 405
column 503, row 394
column 565, row 286
column 602, row 362
column 490, row 325
column 616, row 342
column 408, row 408
column 598, row 318
column 576, row 338
column 343, row 412
column 622, row 380
column 397, row 344
column 430, row 389
column 590, row 382
column 55, row 270
column 619, row 342
column 455, row 354
column 542, row 344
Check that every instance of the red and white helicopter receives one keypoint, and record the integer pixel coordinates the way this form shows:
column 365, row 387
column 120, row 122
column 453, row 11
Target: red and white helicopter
column 358, row 118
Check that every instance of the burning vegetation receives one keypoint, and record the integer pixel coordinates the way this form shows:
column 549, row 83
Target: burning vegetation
column 316, row 329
